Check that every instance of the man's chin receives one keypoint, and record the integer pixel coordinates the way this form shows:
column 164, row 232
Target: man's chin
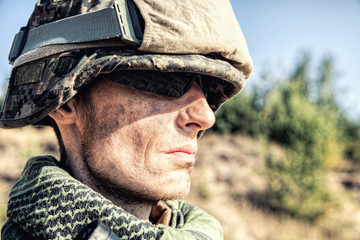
column 176, row 193
column 168, row 192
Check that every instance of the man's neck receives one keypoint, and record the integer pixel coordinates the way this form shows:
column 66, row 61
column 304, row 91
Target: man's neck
column 138, row 208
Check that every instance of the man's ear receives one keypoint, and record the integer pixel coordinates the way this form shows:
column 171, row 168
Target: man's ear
column 66, row 114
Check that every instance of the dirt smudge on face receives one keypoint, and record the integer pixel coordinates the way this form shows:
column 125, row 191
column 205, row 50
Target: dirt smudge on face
column 111, row 119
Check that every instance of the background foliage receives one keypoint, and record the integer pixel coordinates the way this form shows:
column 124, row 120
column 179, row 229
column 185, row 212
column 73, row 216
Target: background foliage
column 301, row 113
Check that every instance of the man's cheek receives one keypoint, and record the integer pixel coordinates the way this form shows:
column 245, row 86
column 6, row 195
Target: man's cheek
column 111, row 119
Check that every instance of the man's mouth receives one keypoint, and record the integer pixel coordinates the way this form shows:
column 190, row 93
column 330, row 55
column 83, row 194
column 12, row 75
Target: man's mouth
column 185, row 153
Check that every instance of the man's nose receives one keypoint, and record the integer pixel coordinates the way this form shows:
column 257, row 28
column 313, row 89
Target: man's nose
column 196, row 115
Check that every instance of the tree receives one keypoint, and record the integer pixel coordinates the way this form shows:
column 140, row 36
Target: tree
column 300, row 112
column 324, row 84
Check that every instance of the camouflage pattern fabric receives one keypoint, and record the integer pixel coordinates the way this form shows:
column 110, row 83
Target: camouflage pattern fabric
column 47, row 11
column 47, row 203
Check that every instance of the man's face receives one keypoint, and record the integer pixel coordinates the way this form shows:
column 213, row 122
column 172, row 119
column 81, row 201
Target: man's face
column 142, row 145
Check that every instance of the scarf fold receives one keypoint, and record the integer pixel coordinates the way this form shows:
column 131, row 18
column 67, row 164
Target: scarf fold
column 47, row 203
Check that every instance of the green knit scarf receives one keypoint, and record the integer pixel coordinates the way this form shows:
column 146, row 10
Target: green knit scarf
column 47, row 203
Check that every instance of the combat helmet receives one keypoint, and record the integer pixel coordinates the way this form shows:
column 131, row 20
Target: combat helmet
column 68, row 43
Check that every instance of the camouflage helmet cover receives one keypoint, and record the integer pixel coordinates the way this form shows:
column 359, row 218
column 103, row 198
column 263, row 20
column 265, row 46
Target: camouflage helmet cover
column 207, row 41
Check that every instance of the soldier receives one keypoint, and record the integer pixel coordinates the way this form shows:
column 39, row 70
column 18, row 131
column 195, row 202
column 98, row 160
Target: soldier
column 128, row 87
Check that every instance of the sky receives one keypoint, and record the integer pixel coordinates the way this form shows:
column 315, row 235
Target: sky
column 277, row 32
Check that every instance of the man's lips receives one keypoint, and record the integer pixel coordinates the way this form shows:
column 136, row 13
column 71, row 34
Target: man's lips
column 188, row 150
column 185, row 152
column 182, row 154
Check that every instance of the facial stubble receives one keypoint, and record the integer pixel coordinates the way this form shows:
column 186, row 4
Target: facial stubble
column 91, row 133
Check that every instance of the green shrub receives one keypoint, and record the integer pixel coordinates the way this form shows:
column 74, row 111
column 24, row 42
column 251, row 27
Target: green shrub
column 301, row 114
column 352, row 137
column 295, row 186
column 294, row 193
column 239, row 116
